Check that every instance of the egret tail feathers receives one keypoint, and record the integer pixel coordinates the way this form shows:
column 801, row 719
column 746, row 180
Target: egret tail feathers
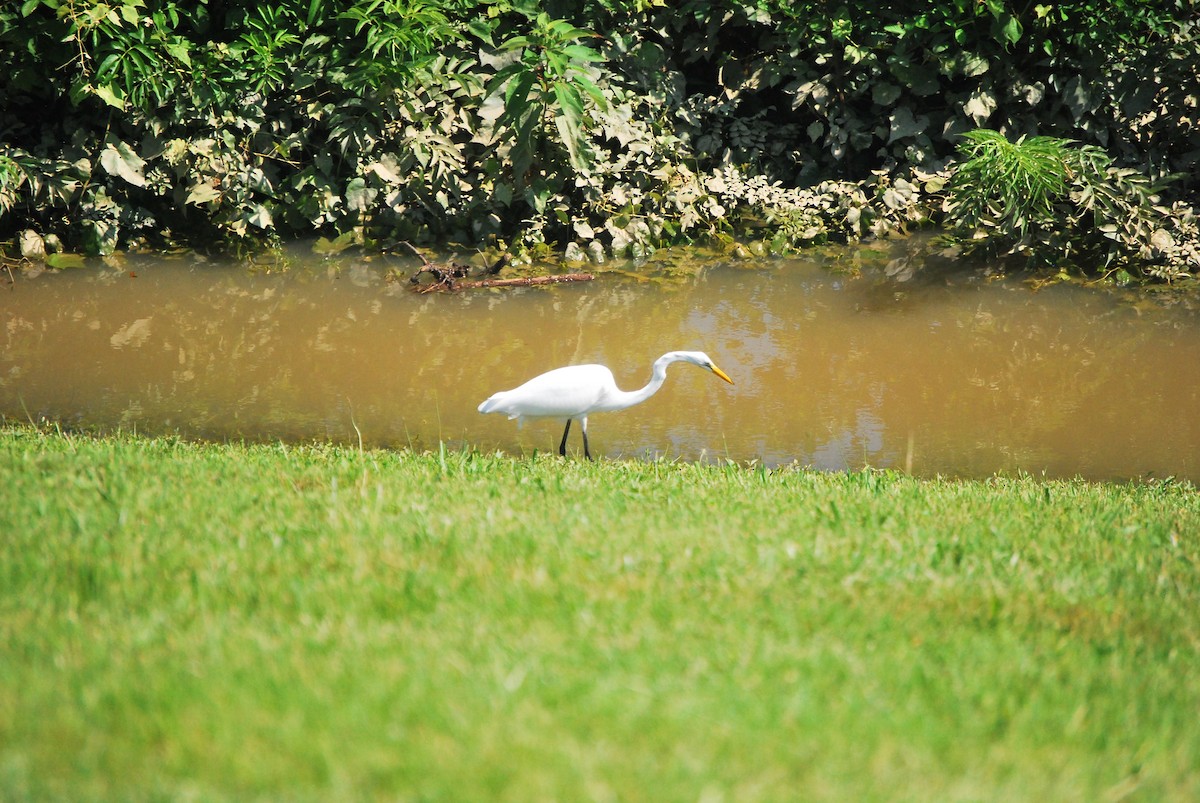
column 492, row 402
column 495, row 404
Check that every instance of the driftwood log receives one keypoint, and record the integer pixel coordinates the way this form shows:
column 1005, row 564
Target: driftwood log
column 525, row 281
column 449, row 277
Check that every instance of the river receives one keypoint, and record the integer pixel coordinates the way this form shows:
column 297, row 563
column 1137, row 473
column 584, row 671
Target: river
column 841, row 364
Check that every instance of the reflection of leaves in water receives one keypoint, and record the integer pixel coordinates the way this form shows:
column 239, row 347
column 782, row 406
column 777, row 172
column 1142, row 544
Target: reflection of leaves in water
column 675, row 265
column 132, row 335
column 900, row 270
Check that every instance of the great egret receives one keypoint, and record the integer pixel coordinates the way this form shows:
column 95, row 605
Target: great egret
column 577, row 391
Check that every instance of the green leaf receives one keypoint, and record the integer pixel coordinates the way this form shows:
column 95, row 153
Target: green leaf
column 522, row 156
column 980, row 106
column 572, row 138
column 118, row 159
column 504, row 74
column 515, row 43
column 202, row 192
column 110, row 95
column 903, row 124
column 179, row 51
column 537, row 196
column 28, row 7
column 973, row 65
column 59, row 261
column 594, row 91
column 386, row 169
column 556, row 63
column 326, row 247
column 569, row 101
column 884, row 93
column 360, row 197
column 517, row 93
column 99, row 237
column 481, row 30
column 582, row 53
column 260, row 217
column 1012, row 29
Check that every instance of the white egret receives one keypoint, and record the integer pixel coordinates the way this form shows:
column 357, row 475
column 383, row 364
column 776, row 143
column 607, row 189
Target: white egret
column 577, row 391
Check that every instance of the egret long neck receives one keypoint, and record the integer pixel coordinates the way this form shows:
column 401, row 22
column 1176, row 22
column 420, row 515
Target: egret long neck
column 632, row 397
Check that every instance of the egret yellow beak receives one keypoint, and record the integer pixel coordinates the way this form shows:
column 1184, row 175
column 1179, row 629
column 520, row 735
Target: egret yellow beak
column 721, row 374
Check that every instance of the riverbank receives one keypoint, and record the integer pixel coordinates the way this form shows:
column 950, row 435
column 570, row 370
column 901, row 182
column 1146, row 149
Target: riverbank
column 307, row 622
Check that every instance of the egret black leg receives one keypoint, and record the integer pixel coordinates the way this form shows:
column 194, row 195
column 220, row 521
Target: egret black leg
column 562, row 447
column 583, row 426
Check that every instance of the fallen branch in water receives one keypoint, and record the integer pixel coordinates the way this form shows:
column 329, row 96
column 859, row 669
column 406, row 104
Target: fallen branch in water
column 448, row 277
column 443, row 275
column 525, row 281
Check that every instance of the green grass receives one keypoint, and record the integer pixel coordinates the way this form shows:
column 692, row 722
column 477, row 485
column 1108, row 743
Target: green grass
column 227, row 622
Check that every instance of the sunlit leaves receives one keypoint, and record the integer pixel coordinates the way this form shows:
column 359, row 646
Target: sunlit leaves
column 100, row 237
column 202, row 192
column 1060, row 203
column 109, row 95
column 260, row 217
column 1009, row 185
column 544, row 91
column 360, row 197
column 118, row 159
column 132, row 55
column 398, row 36
column 48, row 182
column 570, row 122
column 63, row 261
column 980, row 106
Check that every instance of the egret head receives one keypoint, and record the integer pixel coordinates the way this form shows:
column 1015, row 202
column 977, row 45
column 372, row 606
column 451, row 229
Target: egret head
column 697, row 358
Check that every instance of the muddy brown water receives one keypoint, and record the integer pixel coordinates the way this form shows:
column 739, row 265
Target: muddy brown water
column 951, row 375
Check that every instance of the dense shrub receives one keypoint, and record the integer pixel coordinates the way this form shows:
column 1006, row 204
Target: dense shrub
column 872, row 84
column 1051, row 202
column 150, row 121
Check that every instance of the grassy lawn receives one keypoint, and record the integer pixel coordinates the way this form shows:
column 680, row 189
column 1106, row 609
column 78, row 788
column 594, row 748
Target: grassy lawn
column 228, row 622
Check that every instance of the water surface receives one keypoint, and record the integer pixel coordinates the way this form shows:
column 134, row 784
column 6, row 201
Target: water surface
column 949, row 374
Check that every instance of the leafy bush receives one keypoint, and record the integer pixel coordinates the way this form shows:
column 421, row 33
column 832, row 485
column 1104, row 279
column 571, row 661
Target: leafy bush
column 125, row 122
column 1056, row 202
column 547, row 81
column 212, row 122
column 871, row 85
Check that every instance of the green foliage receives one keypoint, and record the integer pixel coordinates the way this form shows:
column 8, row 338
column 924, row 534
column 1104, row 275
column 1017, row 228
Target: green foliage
column 1010, row 186
column 151, row 121
column 867, row 82
column 549, row 82
column 126, row 54
column 44, row 182
column 1056, row 202
column 399, row 36
column 215, row 109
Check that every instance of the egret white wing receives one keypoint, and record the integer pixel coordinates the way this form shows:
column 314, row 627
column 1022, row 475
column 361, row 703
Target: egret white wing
column 561, row 393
